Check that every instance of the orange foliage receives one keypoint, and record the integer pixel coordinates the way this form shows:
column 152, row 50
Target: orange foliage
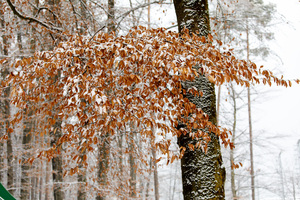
column 107, row 81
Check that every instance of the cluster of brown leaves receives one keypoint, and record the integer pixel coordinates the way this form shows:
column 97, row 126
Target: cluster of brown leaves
column 99, row 86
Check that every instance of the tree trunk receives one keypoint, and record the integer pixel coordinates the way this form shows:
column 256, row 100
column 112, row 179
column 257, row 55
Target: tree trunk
column 111, row 16
column 57, row 160
column 25, row 180
column 83, row 25
column 6, row 114
column 27, row 135
column 132, row 173
column 202, row 174
column 281, row 177
column 4, row 51
column 132, row 161
column 232, row 174
column 57, row 163
column 104, row 146
column 120, row 145
column 81, row 195
column 8, row 130
column 250, row 120
column 153, row 148
column 56, row 133
column 155, row 172
column 103, row 164
column 48, row 180
column 149, row 14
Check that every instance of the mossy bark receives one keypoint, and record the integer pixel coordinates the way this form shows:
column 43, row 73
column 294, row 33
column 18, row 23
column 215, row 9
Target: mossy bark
column 203, row 176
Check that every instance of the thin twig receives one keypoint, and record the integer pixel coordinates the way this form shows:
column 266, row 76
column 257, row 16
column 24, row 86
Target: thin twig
column 100, row 29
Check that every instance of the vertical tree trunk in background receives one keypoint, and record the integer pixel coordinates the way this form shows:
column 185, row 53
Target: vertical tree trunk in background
column 103, row 163
column 232, row 174
column 250, row 121
column 25, row 179
column 6, row 115
column 111, row 16
column 33, row 184
column 120, row 145
column 33, row 38
column 132, row 160
column 153, row 148
column 3, row 51
column 83, row 14
column 156, row 185
column 281, row 177
column 132, row 167
column 56, row 133
column 251, row 145
column 8, row 131
column 48, row 180
column 28, row 127
column 40, row 184
column 155, row 172
column 203, row 176
column 81, row 195
column 57, row 162
column 104, row 151
column 19, row 39
column 149, row 14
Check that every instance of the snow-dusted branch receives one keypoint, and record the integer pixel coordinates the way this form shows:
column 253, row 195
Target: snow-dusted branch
column 31, row 19
column 39, row 9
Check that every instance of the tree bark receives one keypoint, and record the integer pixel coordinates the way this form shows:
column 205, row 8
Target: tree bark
column 203, row 176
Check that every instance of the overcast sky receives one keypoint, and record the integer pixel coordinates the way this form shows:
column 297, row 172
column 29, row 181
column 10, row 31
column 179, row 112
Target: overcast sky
column 281, row 112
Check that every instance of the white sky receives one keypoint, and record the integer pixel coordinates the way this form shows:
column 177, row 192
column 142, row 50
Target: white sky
column 280, row 114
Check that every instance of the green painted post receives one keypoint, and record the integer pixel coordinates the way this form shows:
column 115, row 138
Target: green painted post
column 4, row 194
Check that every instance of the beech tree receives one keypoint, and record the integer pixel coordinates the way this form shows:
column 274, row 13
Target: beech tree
column 203, row 175
column 100, row 91
column 90, row 67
